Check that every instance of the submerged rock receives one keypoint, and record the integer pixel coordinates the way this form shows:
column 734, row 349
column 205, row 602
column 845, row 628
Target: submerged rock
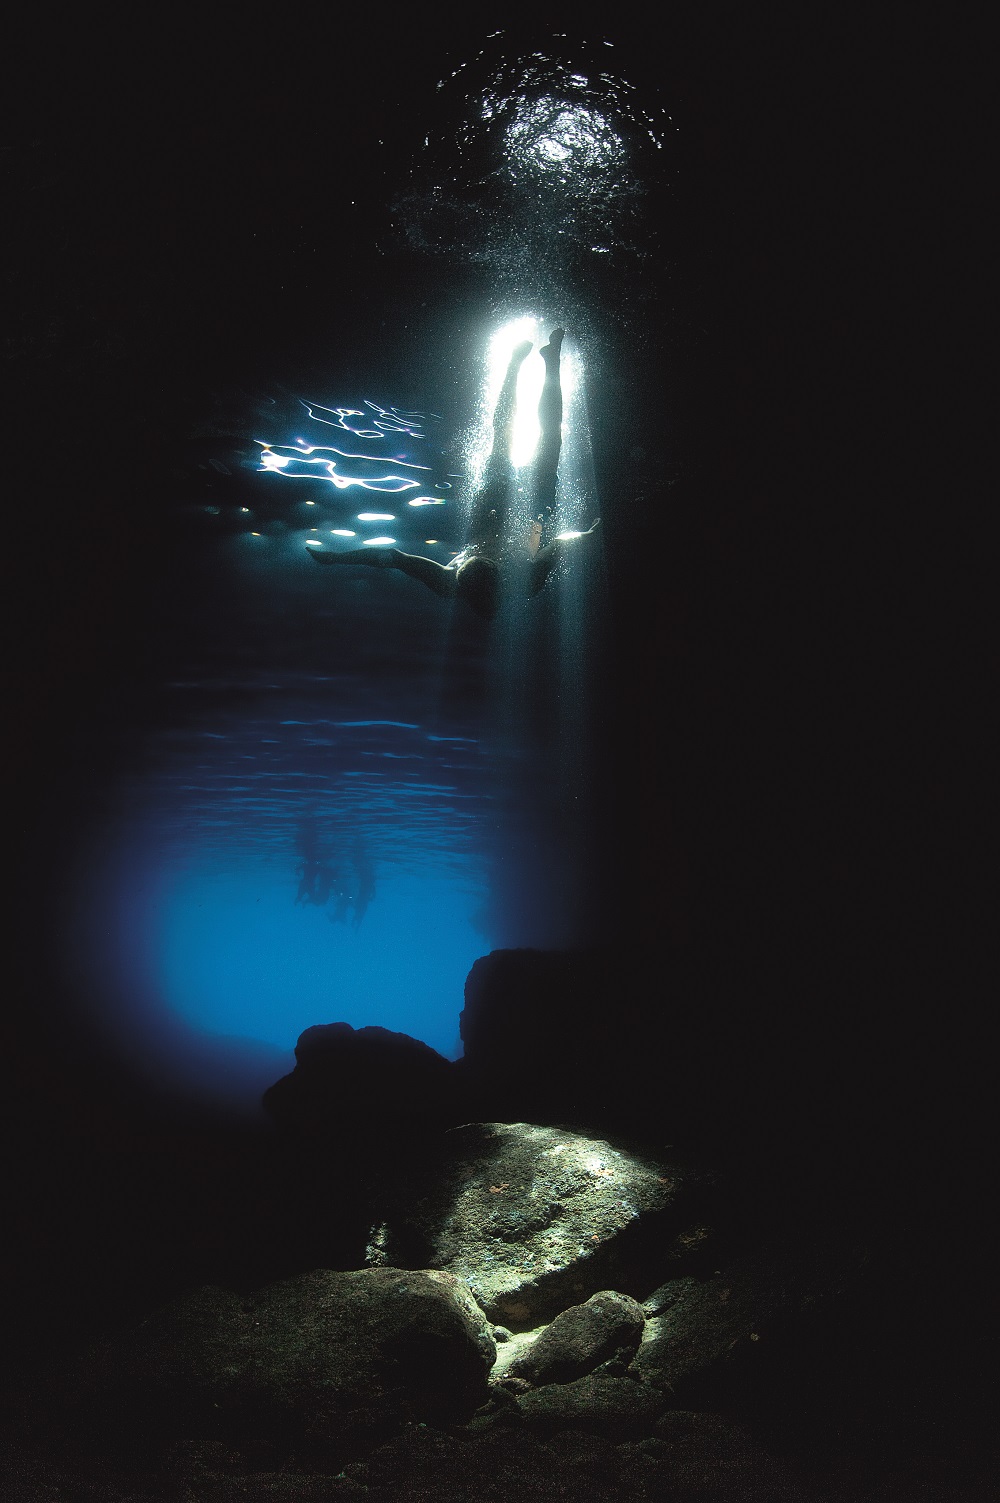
column 714, row 1335
column 534, row 1219
column 364, row 1083
column 669, row 1294
column 326, row 1363
column 709, row 1458
column 607, row 1325
column 616, row 1408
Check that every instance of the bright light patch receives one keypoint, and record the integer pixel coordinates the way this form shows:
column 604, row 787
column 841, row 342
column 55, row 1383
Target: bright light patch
column 378, row 542
column 425, row 501
column 342, row 532
column 561, row 143
column 302, row 461
column 387, row 420
column 526, row 431
column 271, row 461
column 376, row 516
column 313, row 543
column 529, row 384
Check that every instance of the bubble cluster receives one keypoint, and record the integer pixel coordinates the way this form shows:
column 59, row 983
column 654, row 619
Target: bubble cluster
column 561, row 144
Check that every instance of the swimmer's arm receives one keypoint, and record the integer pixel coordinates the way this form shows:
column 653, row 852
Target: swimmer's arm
column 545, row 560
column 429, row 572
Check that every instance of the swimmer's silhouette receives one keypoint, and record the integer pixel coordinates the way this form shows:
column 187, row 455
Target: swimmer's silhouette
column 365, row 883
column 317, row 877
column 482, row 572
column 306, row 881
column 315, row 883
column 308, row 842
column 341, row 901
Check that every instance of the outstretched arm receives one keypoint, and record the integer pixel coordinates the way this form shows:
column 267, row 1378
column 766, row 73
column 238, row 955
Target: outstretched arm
column 545, row 559
column 429, row 572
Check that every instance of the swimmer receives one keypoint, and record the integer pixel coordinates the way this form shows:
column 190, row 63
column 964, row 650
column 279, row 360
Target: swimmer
column 479, row 573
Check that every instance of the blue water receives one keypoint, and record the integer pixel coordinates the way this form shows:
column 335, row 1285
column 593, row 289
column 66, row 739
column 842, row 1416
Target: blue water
column 315, row 714
column 417, row 747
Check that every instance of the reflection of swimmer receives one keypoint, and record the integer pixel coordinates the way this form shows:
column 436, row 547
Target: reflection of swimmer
column 315, row 883
column 308, row 842
column 307, row 882
column 479, row 573
column 365, row 884
column 341, row 902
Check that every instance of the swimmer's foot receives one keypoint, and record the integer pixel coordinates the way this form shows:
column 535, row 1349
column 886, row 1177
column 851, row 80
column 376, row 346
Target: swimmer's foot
column 520, row 352
column 551, row 350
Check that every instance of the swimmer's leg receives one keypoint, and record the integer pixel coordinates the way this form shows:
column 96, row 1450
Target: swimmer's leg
column 429, row 572
column 489, row 509
column 550, row 416
column 503, row 413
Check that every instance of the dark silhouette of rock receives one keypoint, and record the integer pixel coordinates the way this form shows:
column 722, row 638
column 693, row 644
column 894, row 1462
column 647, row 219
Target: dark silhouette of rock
column 605, row 1326
column 719, row 1335
column 649, row 1040
column 366, row 1081
column 744, row 1059
column 617, row 1408
column 528, row 1030
column 357, row 1101
column 702, row 1457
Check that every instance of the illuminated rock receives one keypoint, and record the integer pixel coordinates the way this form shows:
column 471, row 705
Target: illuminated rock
column 532, row 1218
column 606, row 1326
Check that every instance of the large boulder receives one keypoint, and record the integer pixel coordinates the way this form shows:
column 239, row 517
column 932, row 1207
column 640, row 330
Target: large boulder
column 533, row 1219
column 324, row 1364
